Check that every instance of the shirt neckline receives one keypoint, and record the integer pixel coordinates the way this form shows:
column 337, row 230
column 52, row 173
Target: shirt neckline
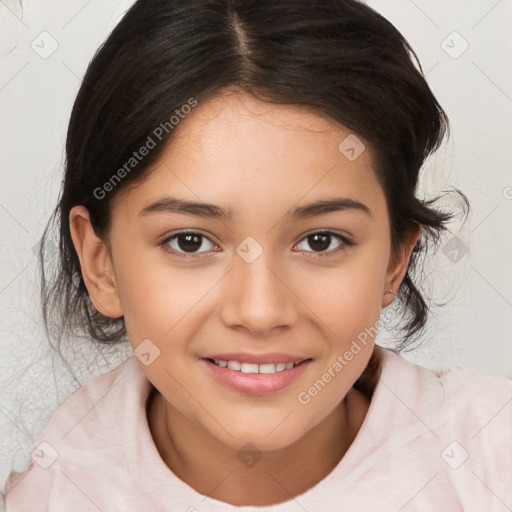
column 338, row 476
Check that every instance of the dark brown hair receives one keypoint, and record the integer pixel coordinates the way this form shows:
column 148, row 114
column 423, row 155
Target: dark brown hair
column 337, row 57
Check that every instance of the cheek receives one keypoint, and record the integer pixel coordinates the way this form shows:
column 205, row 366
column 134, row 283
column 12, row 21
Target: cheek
column 348, row 298
column 158, row 295
column 149, row 297
column 158, row 298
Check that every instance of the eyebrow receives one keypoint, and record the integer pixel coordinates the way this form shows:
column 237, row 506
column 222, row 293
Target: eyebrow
column 319, row 207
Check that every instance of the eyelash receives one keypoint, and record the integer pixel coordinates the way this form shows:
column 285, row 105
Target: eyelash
column 344, row 243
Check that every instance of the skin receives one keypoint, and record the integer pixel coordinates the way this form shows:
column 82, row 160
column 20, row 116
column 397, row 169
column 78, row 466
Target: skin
column 261, row 161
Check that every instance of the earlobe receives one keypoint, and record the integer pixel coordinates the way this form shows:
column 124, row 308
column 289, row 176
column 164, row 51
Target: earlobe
column 95, row 263
column 398, row 265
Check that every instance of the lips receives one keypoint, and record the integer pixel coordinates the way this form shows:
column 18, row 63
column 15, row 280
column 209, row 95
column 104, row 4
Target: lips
column 246, row 376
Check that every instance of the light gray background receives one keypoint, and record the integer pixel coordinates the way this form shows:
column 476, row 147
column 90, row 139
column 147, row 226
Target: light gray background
column 36, row 95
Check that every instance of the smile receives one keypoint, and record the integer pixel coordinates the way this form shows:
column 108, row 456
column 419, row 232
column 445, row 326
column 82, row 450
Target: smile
column 253, row 378
column 254, row 367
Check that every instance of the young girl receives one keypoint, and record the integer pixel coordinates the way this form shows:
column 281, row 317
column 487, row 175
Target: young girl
column 239, row 205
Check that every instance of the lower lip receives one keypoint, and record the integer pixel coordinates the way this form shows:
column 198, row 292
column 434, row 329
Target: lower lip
column 256, row 383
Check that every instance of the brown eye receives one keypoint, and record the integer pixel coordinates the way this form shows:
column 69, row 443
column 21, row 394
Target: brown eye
column 319, row 242
column 322, row 242
column 187, row 243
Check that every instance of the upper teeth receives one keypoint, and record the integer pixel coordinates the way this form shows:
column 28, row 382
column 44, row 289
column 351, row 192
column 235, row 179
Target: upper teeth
column 254, row 367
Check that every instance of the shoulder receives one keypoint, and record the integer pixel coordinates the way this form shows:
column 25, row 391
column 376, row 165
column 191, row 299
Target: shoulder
column 464, row 399
column 457, row 420
column 474, row 397
column 477, row 411
column 452, row 389
column 86, row 431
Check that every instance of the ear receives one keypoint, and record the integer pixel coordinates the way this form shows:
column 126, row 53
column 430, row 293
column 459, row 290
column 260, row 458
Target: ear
column 96, row 264
column 398, row 264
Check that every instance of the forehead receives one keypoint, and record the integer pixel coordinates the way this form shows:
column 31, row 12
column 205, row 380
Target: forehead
column 232, row 122
column 236, row 150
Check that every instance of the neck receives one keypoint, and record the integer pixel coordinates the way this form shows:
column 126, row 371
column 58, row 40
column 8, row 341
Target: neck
column 214, row 469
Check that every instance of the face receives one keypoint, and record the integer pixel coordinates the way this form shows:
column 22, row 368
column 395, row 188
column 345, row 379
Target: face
column 258, row 278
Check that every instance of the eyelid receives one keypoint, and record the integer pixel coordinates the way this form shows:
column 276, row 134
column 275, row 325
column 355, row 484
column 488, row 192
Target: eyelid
column 345, row 236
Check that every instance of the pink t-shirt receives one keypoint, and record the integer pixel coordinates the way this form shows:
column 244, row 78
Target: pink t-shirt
column 431, row 441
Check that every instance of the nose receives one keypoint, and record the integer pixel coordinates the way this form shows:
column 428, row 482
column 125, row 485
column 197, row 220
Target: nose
column 258, row 298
